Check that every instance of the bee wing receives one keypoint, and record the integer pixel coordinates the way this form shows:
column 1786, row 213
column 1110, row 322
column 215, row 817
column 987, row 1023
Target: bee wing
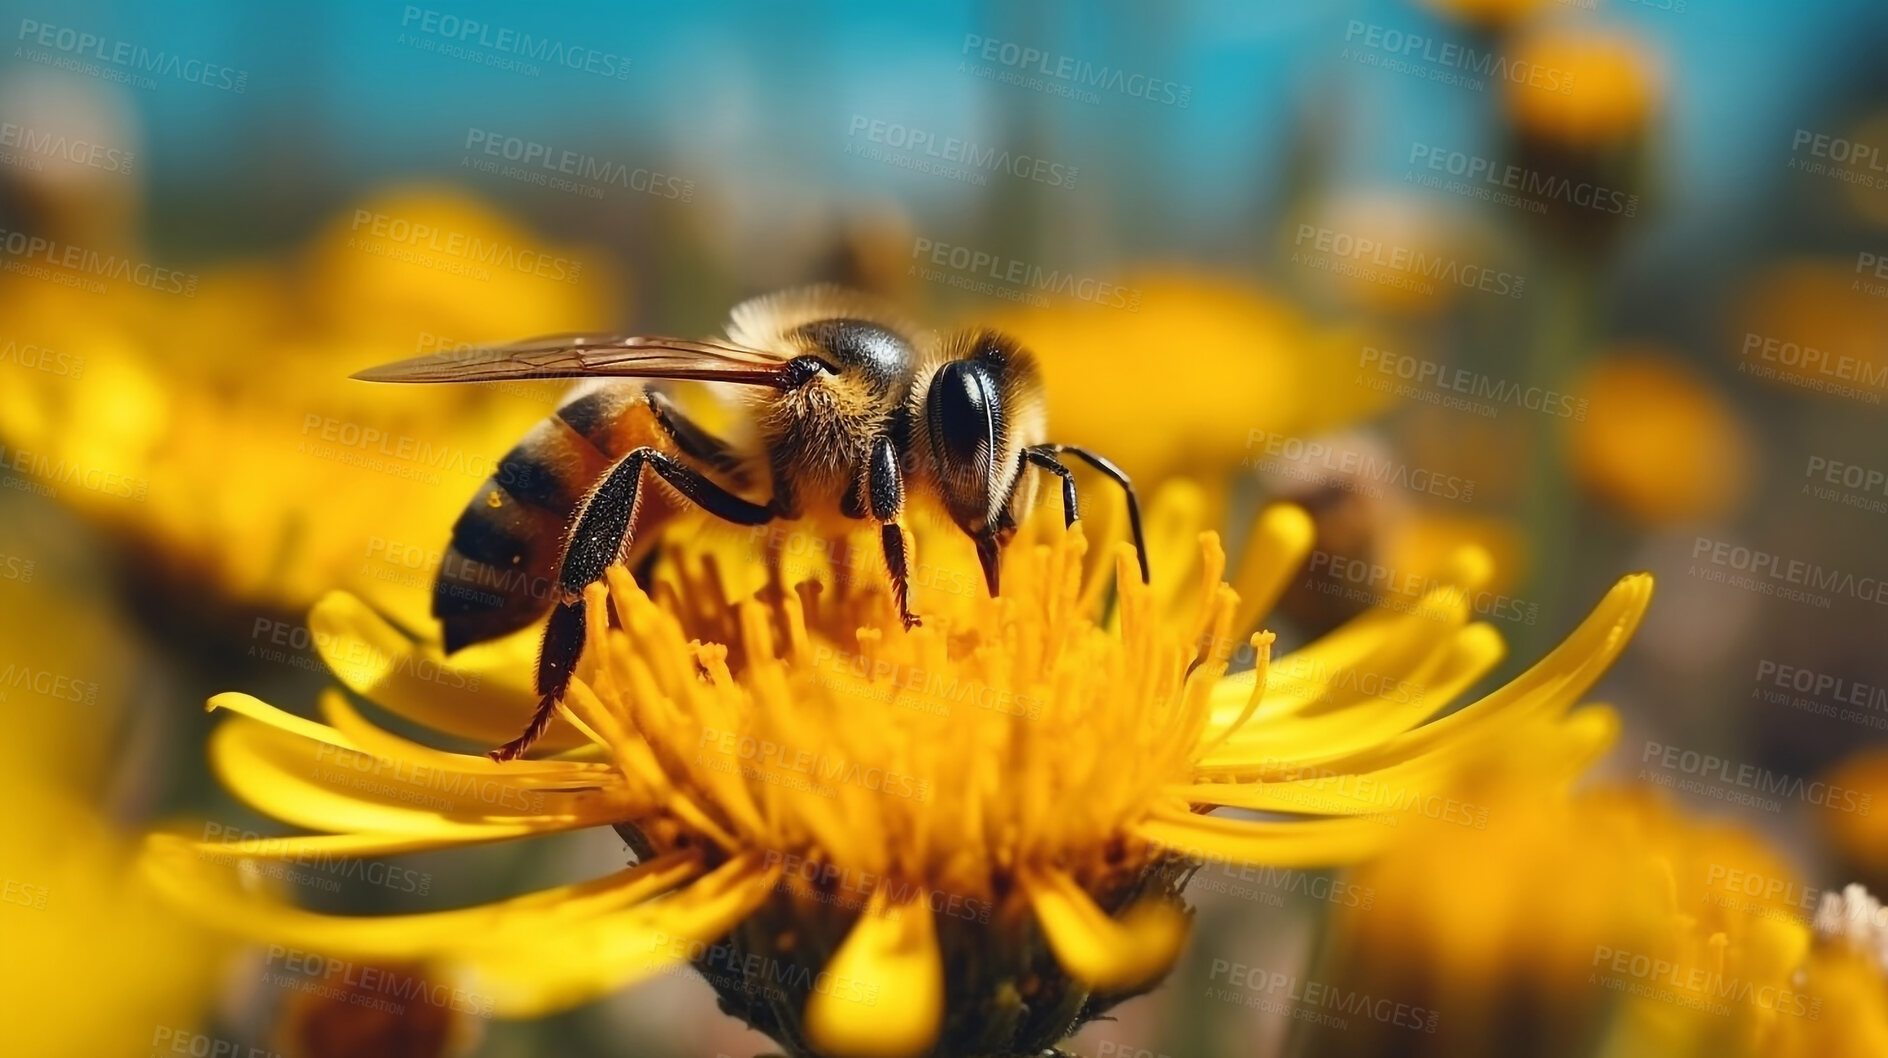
column 589, row 355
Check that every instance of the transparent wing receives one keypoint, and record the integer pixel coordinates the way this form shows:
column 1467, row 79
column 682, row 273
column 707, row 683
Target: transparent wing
column 587, row 355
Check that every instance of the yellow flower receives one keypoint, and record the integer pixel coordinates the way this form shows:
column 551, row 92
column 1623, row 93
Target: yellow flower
column 95, row 962
column 1867, row 197
column 1641, row 401
column 218, row 434
column 1495, row 14
column 1200, row 364
column 1587, row 89
column 1861, row 838
column 1805, row 324
column 1603, row 922
column 1579, row 113
column 964, row 839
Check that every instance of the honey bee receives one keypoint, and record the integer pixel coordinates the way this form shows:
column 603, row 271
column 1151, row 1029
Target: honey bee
column 856, row 416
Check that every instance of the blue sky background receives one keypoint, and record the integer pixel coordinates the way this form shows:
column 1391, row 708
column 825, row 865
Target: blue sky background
column 755, row 97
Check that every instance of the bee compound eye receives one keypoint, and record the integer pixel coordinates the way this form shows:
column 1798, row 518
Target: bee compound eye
column 962, row 414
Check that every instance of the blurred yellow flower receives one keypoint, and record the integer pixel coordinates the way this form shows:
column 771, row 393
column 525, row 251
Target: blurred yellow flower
column 1182, row 384
column 1866, row 192
column 218, row 434
column 1493, row 14
column 1422, row 541
column 1660, row 443
column 95, row 962
column 1810, row 324
column 1587, row 88
column 1385, row 251
column 1861, row 840
column 962, row 839
column 1603, row 922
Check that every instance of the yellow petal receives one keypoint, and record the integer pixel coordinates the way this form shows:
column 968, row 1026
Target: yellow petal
column 322, row 850
column 378, row 742
column 318, row 783
column 1278, row 843
column 1372, row 705
column 1106, row 953
column 1276, row 547
column 257, row 709
column 1174, row 521
column 571, row 962
column 205, row 888
column 482, row 693
column 1380, row 642
column 892, row 998
column 1552, row 685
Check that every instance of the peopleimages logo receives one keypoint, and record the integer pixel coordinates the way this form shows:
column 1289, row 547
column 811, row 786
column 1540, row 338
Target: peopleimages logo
column 52, row 474
column 1455, row 57
column 917, row 149
column 826, row 877
column 1405, row 592
column 1782, row 576
column 377, row 987
column 1849, row 484
column 1823, row 685
column 1532, row 186
column 1707, row 767
column 1076, row 76
column 82, row 262
column 1019, row 275
column 565, row 170
column 1402, row 265
column 1697, row 987
column 1809, row 360
column 39, row 358
column 1249, row 984
column 1444, row 385
column 58, row 145
column 512, row 44
column 1839, row 150
column 47, row 684
column 398, row 238
column 1350, row 469
column 816, row 765
column 134, row 62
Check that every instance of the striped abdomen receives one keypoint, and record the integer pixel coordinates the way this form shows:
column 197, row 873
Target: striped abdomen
column 499, row 574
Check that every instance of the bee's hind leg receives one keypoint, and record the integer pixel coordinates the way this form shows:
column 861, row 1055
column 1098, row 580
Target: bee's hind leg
column 597, row 538
column 557, row 656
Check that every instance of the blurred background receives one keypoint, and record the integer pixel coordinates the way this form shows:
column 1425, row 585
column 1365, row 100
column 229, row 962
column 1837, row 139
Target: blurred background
column 1601, row 285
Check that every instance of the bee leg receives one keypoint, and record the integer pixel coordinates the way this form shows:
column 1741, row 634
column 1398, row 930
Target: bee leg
column 598, row 538
column 691, row 438
column 557, row 655
column 1038, row 453
column 1070, row 511
column 885, row 501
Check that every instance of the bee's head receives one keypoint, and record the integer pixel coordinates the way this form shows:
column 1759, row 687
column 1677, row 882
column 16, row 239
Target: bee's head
column 975, row 411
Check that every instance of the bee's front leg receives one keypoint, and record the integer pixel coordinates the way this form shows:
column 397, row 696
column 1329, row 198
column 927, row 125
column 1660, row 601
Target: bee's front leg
column 1045, row 456
column 885, row 502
